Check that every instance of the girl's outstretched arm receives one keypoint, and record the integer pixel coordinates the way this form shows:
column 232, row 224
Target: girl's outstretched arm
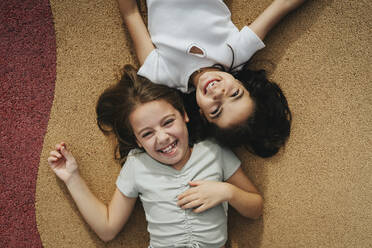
column 238, row 190
column 136, row 28
column 244, row 196
column 106, row 221
column 272, row 15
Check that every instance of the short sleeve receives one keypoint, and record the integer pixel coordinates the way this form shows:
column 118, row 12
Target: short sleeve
column 244, row 44
column 230, row 163
column 156, row 69
column 126, row 182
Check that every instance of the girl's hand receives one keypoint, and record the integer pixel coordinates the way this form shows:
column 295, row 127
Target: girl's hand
column 203, row 195
column 63, row 163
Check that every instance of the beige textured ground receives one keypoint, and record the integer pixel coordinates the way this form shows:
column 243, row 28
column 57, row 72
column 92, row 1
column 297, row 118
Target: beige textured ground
column 317, row 191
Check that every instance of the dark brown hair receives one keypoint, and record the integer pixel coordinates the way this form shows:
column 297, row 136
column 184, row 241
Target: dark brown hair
column 268, row 128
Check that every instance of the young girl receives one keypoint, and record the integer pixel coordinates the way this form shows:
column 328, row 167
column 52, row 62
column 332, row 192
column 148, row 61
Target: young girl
column 180, row 185
column 188, row 39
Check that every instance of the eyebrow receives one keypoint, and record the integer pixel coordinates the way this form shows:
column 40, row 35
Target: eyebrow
column 165, row 117
column 235, row 99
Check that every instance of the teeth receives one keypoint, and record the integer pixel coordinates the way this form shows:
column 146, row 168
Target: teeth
column 210, row 85
column 169, row 148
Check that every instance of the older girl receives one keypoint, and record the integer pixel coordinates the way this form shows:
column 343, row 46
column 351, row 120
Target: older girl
column 185, row 41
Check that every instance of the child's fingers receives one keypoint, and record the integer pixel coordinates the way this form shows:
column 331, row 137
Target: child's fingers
column 200, row 209
column 192, row 204
column 52, row 159
column 53, row 162
column 186, row 200
column 183, row 195
column 195, row 183
column 66, row 153
column 55, row 154
column 60, row 145
column 187, row 193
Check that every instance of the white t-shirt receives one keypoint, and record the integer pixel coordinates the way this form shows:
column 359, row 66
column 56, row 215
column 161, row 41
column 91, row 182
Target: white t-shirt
column 158, row 186
column 178, row 25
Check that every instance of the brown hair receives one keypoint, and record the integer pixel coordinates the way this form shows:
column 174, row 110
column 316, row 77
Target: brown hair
column 117, row 102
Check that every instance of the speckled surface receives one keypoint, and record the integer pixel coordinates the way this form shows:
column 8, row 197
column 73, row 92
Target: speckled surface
column 27, row 77
column 317, row 190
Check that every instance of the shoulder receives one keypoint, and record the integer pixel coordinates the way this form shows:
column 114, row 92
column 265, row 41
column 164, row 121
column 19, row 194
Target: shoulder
column 207, row 143
column 141, row 161
column 135, row 153
column 135, row 164
column 219, row 151
column 135, row 157
column 166, row 68
column 209, row 146
column 211, row 143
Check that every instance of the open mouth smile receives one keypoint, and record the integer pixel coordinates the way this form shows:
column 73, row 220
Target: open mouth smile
column 209, row 85
column 170, row 149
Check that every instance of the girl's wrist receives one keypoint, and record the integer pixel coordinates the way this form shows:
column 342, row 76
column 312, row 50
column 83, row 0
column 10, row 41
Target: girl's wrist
column 75, row 177
column 229, row 191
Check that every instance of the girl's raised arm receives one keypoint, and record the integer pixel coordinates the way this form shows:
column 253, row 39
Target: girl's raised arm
column 272, row 15
column 136, row 28
column 106, row 221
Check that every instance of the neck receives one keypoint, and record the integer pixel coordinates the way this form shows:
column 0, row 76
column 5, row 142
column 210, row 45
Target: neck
column 182, row 163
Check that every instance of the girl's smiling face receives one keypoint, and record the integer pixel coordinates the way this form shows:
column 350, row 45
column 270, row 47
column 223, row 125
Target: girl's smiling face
column 222, row 99
column 161, row 131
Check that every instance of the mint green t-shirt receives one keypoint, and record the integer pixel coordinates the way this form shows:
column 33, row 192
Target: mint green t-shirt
column 158, row 186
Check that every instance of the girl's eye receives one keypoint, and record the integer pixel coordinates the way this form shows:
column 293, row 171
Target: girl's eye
column 168, row 122
column 235, row 93
column 146, row 134
column 215, row 111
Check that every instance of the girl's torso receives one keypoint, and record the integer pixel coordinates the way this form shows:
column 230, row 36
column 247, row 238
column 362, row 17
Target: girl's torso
column 189, row 35
column 158, row 186
column 178, row 27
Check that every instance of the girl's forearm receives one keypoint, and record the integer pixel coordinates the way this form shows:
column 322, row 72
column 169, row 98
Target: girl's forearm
column 246, row 203
column 127, row 7
column 136, row 28
column 272, row 15
column 93, row 210
column 106, row 221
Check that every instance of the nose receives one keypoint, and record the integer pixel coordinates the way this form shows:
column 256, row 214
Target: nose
column 218, row 92
column 162, row 137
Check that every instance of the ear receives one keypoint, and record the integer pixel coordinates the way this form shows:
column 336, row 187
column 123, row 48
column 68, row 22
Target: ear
column 186, row 117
